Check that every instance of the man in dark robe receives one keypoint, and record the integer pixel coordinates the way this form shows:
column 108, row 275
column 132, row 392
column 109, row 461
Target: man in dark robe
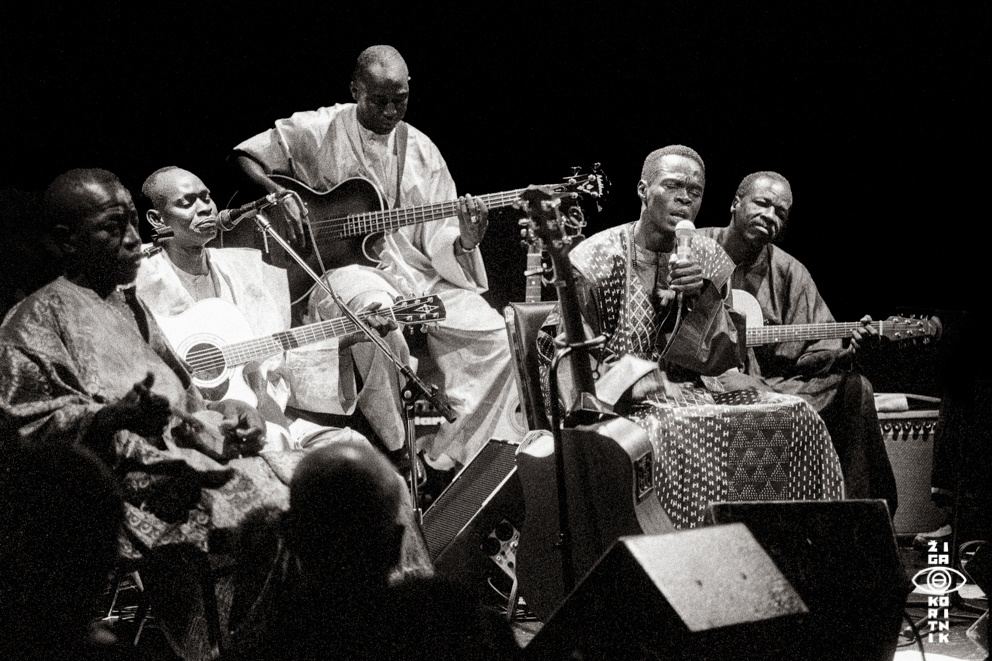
column 82, row 362
column 820, row 371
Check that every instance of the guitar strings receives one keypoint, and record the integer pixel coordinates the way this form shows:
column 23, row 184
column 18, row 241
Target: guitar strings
column 825, row 331
column 798, row 332
column 218, row 356
column 376, row 221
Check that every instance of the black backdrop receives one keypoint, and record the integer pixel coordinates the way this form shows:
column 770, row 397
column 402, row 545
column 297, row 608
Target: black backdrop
column 871, row 111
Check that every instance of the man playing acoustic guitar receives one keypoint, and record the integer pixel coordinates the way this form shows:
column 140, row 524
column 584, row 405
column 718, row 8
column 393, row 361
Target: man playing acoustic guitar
column 818, row 371
column 185, row 273
column 325, row 148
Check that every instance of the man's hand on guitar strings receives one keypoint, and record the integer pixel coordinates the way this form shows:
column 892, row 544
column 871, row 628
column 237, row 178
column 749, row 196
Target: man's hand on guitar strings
column 863, row 338
column 473, row 219
column 291, row 215
column 380, row 323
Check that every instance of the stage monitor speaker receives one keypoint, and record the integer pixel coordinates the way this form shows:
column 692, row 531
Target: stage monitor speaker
column 479, row 504
column 842, row 558
column 708, row 593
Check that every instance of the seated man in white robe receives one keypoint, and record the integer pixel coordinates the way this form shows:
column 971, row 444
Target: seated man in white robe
column 326, row 147
column 173, row 281
column 83, row 361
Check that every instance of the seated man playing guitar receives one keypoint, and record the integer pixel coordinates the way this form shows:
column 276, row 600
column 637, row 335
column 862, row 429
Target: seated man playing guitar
column 819, row 371
column 177, row 281
column 670, row 325
column 326, row 150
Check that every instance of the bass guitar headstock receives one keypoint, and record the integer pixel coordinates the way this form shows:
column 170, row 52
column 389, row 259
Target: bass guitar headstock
column 593, row 185
column 545, row 222
column 577, row 188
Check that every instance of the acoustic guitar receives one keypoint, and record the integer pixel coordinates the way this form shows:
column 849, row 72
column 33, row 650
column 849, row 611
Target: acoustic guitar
column 216, row 340
column 606, row 466
column 345, row 225
column 893, row 329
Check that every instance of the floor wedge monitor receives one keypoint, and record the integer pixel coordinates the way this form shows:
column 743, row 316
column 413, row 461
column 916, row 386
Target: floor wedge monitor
column 842, row 558
column 709, row 593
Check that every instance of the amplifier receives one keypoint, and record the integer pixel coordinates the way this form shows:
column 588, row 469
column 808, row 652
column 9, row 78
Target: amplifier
column 908, row 437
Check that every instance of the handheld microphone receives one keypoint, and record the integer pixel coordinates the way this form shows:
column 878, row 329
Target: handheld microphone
column 684, row 232
column 228, row 219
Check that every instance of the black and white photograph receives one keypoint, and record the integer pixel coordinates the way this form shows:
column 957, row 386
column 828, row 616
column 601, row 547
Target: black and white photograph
column 385, row 331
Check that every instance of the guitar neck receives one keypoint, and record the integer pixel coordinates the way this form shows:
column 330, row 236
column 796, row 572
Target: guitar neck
column 804, row 332
column 391, row 219
column 532, row 289
column 263, row 347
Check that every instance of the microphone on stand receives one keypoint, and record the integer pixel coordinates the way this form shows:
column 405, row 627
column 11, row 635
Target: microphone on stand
column 160, row 236
column 228, row 219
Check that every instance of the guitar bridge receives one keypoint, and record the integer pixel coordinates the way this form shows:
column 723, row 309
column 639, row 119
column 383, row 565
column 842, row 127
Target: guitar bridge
column 644, row 476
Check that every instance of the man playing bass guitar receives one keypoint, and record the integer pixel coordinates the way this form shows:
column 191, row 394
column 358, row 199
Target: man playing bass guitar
column 325, row 148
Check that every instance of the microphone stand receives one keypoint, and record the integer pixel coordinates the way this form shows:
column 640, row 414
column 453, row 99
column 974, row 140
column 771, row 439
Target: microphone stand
column 414, row 387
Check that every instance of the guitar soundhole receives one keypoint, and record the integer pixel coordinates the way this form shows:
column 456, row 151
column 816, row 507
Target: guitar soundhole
column 206, row 360
column 644, row 476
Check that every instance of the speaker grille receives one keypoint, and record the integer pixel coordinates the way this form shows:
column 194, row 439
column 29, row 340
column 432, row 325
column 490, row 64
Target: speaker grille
column 467, row 493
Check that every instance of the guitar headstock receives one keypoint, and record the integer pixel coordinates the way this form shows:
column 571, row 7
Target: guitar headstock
column 576, row 188
column 544, row 222
column 418, row 310
column 593, row 184
column 900, row 329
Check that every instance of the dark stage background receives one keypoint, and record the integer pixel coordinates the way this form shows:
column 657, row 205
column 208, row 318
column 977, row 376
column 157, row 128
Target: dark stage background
column 871, row 111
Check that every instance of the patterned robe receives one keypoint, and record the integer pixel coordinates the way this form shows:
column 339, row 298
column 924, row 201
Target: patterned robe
column 815, row 370
column 709, row 446
column 65, row 353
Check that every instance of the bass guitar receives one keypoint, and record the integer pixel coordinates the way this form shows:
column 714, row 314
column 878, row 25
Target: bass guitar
column 216, row 340
column 598, row 484
column 345, row 224
column 893, row 329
